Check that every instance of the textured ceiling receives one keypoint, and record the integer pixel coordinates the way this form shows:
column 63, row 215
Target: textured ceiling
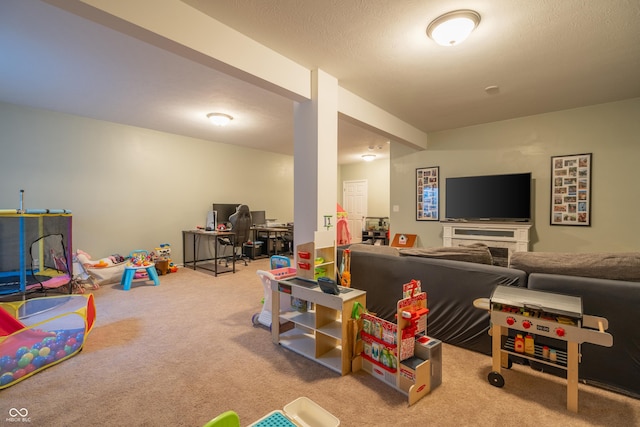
column 543, row 55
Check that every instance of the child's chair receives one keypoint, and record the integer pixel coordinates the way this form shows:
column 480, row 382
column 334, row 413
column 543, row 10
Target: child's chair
column 138, row 260
column 226, row 419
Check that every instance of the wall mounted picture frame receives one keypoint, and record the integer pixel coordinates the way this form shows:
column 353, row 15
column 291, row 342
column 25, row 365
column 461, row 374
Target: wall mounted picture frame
column 428, row 194
column 571, row 189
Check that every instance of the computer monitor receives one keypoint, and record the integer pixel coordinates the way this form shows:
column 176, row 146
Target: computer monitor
column 225, row 210
column 258, row 217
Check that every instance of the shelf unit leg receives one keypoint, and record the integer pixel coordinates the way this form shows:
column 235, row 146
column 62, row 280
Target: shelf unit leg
column 499, row 358
column 275, row 315
column 572, row 376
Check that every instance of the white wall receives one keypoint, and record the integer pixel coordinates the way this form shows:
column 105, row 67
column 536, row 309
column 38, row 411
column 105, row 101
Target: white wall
column 609, row 131
column 131, row 188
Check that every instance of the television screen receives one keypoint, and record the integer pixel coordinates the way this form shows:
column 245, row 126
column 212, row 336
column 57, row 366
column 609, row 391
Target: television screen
column 225, row 210
column 489, row 197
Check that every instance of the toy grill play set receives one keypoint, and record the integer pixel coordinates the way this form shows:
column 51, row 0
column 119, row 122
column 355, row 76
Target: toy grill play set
column 536, row 314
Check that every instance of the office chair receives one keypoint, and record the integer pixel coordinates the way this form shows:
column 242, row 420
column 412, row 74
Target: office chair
column 241, row 225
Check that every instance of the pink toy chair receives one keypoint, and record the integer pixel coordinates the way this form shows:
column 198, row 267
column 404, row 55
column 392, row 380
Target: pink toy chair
column 132, row 267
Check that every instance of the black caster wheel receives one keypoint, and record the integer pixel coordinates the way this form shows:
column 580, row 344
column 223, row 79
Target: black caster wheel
column 495, row 379
column 254, row 319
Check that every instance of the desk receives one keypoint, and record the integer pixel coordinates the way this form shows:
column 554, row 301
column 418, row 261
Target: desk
column 195, row 236
column 271, row 233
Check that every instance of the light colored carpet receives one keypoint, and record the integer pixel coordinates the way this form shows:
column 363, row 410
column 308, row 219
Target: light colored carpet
column 183, row 352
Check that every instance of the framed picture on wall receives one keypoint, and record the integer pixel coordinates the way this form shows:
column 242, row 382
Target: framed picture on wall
column 571, row 190
column 427, row 194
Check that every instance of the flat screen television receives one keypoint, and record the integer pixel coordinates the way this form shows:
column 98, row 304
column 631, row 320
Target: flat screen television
column 489, row 197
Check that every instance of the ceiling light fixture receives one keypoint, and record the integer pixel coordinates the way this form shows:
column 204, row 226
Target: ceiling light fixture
column 219, row 119
column 453, row 28
column 368, row 157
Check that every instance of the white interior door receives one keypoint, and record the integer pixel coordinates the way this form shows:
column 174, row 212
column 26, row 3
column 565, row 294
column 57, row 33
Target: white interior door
column 354, row 201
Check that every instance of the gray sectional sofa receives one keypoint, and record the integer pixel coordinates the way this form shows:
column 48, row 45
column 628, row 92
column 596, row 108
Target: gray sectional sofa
column 609, row 285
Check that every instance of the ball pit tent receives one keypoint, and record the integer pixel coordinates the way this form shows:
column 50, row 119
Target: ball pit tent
column 41, row 332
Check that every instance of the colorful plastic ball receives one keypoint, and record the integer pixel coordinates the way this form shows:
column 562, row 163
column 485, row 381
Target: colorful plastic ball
column 37, row 345
column 49, row 359
column 19, row 373
column 68, row 349
column 44, row 351
column 29, row 368
column 38, row 361
column 70, row 342
column 4, row 360
column 60, row 354
column 34, row 352
column 6, row 378
column 55, row 347
column 25, row 360
column 10, row 365
column 21, row 351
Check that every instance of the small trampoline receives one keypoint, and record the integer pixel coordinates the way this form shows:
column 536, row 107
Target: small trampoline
column 35, row 250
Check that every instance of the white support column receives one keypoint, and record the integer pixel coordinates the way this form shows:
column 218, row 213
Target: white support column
column 316, row 158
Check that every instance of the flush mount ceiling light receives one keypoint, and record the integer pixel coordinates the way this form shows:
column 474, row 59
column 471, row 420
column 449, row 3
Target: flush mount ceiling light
column 219, row 119
column 368, row 157
column 454, row 27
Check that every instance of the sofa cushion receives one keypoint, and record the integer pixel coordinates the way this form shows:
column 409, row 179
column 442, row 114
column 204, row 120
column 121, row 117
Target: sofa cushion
column 613, row 266
column 477, row 253
column 374, row 249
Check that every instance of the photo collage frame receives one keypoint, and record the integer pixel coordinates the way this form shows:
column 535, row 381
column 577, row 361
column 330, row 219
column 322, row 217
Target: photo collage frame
column 428, row 194
column 571, row 190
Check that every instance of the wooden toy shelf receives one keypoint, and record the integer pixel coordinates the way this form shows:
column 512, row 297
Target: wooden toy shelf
column 318, row 333
column 308, row 255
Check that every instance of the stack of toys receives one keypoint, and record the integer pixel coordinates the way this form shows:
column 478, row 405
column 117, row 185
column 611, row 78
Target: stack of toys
column 162, row 258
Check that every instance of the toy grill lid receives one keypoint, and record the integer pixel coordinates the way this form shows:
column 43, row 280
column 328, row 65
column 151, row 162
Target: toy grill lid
column 563, row 305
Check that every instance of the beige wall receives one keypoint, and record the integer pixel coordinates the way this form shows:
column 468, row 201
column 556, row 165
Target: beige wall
column 131, row 188
column 610, row 131
column 376, row 173
column 135, row 188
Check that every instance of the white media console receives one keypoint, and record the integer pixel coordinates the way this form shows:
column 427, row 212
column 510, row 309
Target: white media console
column 512, row 236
